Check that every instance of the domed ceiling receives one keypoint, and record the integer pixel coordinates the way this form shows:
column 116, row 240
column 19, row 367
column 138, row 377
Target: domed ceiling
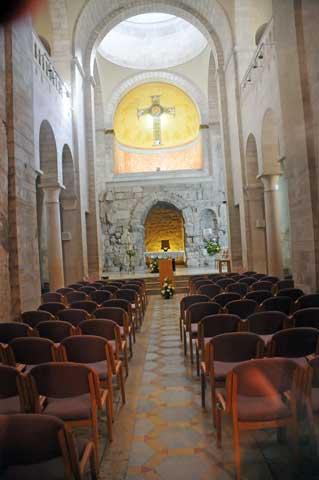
column 154, row 116
column 152, row 41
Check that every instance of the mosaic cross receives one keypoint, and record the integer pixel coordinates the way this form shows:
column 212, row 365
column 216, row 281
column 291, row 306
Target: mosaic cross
column 156, row 110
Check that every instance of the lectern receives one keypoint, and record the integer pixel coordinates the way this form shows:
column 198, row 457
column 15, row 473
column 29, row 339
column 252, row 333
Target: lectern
column 165, row 266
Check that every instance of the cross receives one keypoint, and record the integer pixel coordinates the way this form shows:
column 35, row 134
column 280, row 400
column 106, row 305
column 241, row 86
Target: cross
column 156, row 110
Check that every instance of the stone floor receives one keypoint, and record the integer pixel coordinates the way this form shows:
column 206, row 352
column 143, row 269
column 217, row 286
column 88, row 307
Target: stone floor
column 162, row 433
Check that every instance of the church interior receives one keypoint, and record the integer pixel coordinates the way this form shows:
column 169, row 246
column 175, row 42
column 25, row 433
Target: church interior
column 159, row 240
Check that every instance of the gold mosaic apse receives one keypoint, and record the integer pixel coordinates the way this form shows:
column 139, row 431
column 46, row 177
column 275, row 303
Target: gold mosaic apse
column 173, row 110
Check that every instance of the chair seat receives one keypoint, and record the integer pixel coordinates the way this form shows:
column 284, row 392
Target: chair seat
column 100, row 368
column 252, row 409
column 221, row 369
column 73, row 408
column 10, row 405
column 50, row 470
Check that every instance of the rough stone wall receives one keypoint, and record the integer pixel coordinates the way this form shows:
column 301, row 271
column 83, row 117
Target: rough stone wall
column 4, row 223
column 124, row 209
column 164, row 223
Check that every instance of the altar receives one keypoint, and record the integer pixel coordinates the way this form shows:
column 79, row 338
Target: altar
column 164, row 255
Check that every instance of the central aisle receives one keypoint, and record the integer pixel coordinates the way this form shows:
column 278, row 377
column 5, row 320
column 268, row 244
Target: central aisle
column 162, row 433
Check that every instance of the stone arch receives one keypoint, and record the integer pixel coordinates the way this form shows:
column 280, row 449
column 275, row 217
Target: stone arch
column 176, row 79
column 48, row 152
column 99, row 16
column 68, row 173
column 270, row 144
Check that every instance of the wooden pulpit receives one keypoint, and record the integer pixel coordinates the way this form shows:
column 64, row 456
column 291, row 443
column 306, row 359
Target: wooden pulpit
column 165, row 266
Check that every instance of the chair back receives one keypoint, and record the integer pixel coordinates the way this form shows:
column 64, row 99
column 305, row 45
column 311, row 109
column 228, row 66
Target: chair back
column 55, row 330
column 197, row 311
column 52, row 297
column 85, row 348
column 235, row 347
column 242, row 308
column 266, row 323
column 75, row 286
column 201, row 281
column 100, row 296
column 223, row 298
column 258, row 276
column 210, row 290
column 133, row 286
column 127, row 294
column 11, row 330
column 262, row 285
column 224, row 282
column 279, row 304
column 247, row 280
column 249, row 274
column 306, row 317
column 75, row 296
column 52, row 307
column 100, row 327
column 33, row 350
column 88, row 305
column 308, row 301
column 117, row 283
column 118, row 315
column 65, row 290
column 240, row 288
column 118, row 303
column 258, row 295
column 73, row 315
column 33, row 317
column 287, row 283
column 8, row 382
column 189, row 300
column 294, row 342
column 270, row 278
column 213, row 325
column 109, row 288
column 87, row 289
column 293, row 293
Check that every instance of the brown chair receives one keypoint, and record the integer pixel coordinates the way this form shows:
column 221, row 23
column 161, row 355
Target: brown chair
column 240, row 288
column 200, row 282
column 52, row 297
column 125, row 305
column 222, row 354
column 279, row 304
column 296, row 343
column 223, row 298
column 96, row 353
column 194, row 314
column 76, row 296
column 293, row 293
column 307, row 301
column 88, row 305
column 71, row 392
column 267, row 323
column 259, row 276
column 306, row 317
column 270, row 278
column 224, row 282
column 258, row 295
column 100, row 296
column 261, row 394
column 112, row 332
column 31, row 351
column 117, row 283
column 75, row 286
column 88, row 289
column 283, row 284
column 109, row 288
column 52, row 307
column 33, row 317
column 65, row 290
column 247, row 281
column 211, row 326
column 210, row 290
column 45, row 450
column 139, row 289
column 12, row 398
column 119, row 316
column 55, row 330
column 249, row 274
column 75, row 316
column 11, row 330
column 132, row 297
column 262, row 285
column 243, row 308
column 185, row 303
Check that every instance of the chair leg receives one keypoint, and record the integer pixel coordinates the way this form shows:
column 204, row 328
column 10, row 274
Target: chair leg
column 125, row 359
column 130, row 344
column 95, row 434
column 94, row 466
column 197, row 359
column 181, row 329
column 185, row 342
column 203, row 388
column 120, row 380
column 133, row 332
column 109, row 417
column 218, row 428
column 237, row 449
column 191, row 347
column 213, row 402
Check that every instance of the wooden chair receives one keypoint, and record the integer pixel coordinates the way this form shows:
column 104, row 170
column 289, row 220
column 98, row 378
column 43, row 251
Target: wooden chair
column 109, row 288
column 267, row 323
column 306, row 317
column 33, row 317
column 261, row 394
column 132, row 297
column 279, row 304
column 194, row 315
column 223, row 298
column 55, row 330
column 239, row 288
column 270, row 278
column 75, row 316
column 243, row 308
column 11, row 330
column 71, row 392
column 210, row 290
column 112, row 332
column 88, row 305
column 75, row 296
column 247, row 281
column 65, row 290
column 52, row 297
column 121, row 318
column 12, row 398
column 88, row 289
column 224, row 282
column 100, row 296
column 307, row 301
column 31, row 351
column 295, row 343
column 52, row 307
column 258, row 296
column 262, row 285
column 185, row 303
column 140, row 296
column 46, row 449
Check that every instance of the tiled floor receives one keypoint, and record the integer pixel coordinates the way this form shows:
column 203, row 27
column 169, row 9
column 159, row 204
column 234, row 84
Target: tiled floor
column 162, row 433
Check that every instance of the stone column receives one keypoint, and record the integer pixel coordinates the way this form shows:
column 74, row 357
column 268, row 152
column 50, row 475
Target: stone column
column 54, row 239
column 255, row 224
column 273, row 226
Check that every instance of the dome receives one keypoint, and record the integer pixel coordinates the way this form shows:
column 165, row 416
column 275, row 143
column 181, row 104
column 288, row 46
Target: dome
column 152, row 41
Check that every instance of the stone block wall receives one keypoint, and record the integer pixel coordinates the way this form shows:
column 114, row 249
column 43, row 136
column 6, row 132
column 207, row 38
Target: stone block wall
column 164, row 223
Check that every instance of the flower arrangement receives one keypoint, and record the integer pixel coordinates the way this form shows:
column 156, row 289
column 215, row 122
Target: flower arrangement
column 154, row 265
column 167, row 289
column 131, row 252
column 212, row 247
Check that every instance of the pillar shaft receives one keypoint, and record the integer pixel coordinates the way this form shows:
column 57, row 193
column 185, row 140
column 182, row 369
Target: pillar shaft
column 54, row 239
column 273, row 224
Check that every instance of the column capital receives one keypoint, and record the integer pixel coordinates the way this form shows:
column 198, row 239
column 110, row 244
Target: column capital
column 52, row 191
column 270, row 181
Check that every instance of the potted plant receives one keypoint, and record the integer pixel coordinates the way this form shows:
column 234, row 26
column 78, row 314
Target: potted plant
column 167, row 289
column 154, row 265
column 131, row 253
column 212, row 247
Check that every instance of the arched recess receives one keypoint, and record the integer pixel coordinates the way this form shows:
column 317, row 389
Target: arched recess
column 48, row 209
column 208, row 224
column 276, row 197
column 256, row 234
column 164, row 222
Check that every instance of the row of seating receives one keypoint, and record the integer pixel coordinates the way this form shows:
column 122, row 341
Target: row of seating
column 258, row 353
column 61, row 362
